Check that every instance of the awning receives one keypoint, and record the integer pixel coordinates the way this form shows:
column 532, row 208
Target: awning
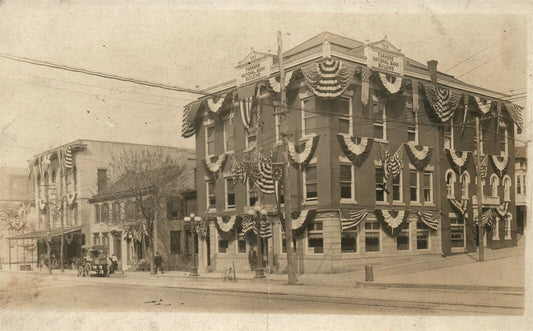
column 44, row 234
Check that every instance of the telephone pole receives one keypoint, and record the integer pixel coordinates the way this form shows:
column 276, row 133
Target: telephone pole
column 479, row 195
column 284, row 131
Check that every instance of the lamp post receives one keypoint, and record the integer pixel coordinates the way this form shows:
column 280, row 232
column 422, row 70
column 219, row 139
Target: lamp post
column 193, row 220
column 258, row 212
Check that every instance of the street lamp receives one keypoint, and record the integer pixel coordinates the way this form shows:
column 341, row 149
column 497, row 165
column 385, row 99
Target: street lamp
column 258, row 212
column 196, row 220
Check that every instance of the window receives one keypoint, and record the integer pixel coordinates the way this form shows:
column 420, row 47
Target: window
column 105, row 239
column 210, row 140
column 230, row 193
column 372, row 236
column 251, row 192
column 494, row 182
column 310, row 183
column 211, row 197
column 457, row 229
column 422, row 235
column 105, row 213
column 101, row 179
column 310, row 118
column 428, row 186
column 507, row 227
column 96, row 239
column 115, row 213
column 506, row 188
column 315, row 241
column 343, row 108
column 450, row 183
column 349, row 241
column 381, row 195
column 496, row 229
column 402, row 240
column 228, row 135
column 503, row 139
column 448, row 135
column 397, row 194
column 97, row 214
column 346, row 181
column 222, row 245
column 465, row 180
column 241, row 243
column 412, row 121
column 518, row 184
column 173, row 207
column 175, row 242
column 379, row 116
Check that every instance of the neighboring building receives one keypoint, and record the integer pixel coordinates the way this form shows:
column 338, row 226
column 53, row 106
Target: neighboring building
column 117, row 221
column 520, row 184
column 381, row 148
column 17, row 216
column 64, row 179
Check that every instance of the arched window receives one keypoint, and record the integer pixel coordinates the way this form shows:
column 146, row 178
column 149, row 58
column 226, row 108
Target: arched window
column 494, row 182
column 465, row 180
column 506, row 188
column 450, row 183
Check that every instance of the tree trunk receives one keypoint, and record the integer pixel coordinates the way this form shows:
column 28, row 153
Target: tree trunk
column 152, row 253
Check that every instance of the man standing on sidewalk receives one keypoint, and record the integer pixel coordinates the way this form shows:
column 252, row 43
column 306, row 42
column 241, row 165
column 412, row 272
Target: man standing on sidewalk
column 158, row 262
column 252, row 258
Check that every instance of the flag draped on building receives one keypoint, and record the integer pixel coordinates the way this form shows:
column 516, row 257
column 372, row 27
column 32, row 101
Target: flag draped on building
column 67, row 160
column 460, row 206
column 487, row 217
column 275, row 84
column 442, row 101
column 515, row 111
column 418, row 154
column 393, row 84
column 328, row 79
column 499, row 164
column 355, row 152
column 393, row 223
column 365, row 84
column 188, row 124
column 300, row 155
column 458, row 160
column 392, row 165
column 265, row 182
column 266, row 228
column 351, row 218
column 429, row 218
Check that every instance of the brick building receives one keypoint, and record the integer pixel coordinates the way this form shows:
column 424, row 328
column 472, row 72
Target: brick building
column 520, row 185
column 382, row 154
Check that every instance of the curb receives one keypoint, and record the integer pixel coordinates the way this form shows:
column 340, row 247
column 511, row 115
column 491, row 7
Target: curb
column 486, row 288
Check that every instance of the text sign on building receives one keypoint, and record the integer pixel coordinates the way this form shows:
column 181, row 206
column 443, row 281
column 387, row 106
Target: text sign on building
column 386, row 62
column 255, row 66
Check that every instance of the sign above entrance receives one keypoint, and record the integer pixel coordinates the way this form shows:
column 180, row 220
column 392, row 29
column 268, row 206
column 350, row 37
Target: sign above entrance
column 253, row 67
column 384, row 61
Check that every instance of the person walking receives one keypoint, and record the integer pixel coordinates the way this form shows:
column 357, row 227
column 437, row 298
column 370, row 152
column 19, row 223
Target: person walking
column 252, row 259
column 158, row 262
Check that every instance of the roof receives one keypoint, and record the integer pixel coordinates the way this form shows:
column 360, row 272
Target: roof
column 319, row 39
column 44, row 234
column 520, row 152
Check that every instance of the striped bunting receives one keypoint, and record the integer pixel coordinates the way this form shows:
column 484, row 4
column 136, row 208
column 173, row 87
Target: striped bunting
column 248, row 224
column 393, row 223
column 246, row 111
column 351, row 218
column 429, row 218
column 216, row 166
column 459, row 206
column 442, row 101
column 392, row 165
column 213, row 106
column 499, row 163
column 418, row 154
column 458, row 160
column 67, row 162
column 483, row 104
column 328, row 79
column 265, row 182
column 502, row 209
column 301, row 155
column 487, row 217
column 189, row 116
column 365, row 84
column 393, row 84
column 276, row 85
column 355, row 152
column 266, row 229
column 515, row 111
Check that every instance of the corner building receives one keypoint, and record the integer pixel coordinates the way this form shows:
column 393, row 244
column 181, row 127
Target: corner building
column 382, row 159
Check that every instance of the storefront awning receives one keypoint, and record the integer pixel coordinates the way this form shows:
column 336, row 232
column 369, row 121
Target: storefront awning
column 44, row 234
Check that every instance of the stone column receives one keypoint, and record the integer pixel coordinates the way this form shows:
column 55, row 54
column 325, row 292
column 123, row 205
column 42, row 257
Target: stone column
column 213, row 241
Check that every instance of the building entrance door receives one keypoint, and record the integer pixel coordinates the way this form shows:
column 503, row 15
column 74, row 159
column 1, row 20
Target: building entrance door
column 457, row 234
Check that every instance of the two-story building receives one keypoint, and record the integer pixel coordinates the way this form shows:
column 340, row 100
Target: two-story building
column 382, row 152
column 520, row 185
column 64, row 179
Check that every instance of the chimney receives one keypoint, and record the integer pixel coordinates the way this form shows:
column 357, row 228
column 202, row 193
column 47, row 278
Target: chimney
column 432, row 67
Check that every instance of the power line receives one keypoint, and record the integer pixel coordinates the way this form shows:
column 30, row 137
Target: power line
column 100, row 74
column 482, row 64
column 471, row 56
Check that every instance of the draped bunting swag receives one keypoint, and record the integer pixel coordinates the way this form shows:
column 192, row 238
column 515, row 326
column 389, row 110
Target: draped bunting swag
column 429, row 218
column 457, row 161
column 483, row 105
column 392, row 165
column 502, row 209
column 515, row 111
column 443, row 101
column 393, row 84
column 189, row 115
column 355, row 152
column 213, row 106
column 67, row 162
column 365, row 84
column 71, row 198
column 418, row 154
column 393, row 223
column 487, row 217
column 276, row 85
column 216, row 166
column 328, row 79
column 301, row 155
column 461, row 207
column 265, row 182
column 351, row 218
column 300, row 220
column 499, row 164
column 226, row 224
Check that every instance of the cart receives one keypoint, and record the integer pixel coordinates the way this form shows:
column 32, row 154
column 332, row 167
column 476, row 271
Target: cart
column 95, row 261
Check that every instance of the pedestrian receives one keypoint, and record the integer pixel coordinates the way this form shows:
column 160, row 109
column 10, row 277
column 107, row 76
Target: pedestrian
column 252, row 259
column 114, row 260
column 158, row 262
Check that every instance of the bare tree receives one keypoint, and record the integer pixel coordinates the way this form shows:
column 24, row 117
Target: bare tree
column 146, row 179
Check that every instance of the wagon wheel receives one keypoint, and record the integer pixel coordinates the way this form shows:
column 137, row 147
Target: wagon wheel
column 87, row 269
column 81, row 271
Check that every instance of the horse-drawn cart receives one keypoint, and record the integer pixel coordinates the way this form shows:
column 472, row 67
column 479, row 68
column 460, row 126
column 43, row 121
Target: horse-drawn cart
column 95, row 261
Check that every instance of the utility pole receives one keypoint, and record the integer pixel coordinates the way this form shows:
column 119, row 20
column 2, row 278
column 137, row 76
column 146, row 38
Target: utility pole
column 48, row 239
column 284, row 131
column 61, row 198
column 479, row 194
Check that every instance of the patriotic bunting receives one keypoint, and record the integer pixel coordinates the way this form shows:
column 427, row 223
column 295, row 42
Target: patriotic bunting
column 484, row 162
column 216, row 166
column 237, row 172
column 365, row 84
column 443, row 101
column 67, row 161
column 430, row 219
column 458, row 160
column 190, row 112
column 515, row 111
column 265, row 182
column 499, row 164
column 266, row 229
column 487, row 217
column 351, row 218
column 502, row 209
column 213, row 106
column 483, row 104
column 328, row 79
column 201, row 229
column 392, row 165
column 300, row 155
column 393, row 223
column 226, row 226
column 300, row 220
column 246, row 111
column 71, row 198
column 248, row 223
column 393, row 84
column 418, row 154
column 461, row 207
column 355, row 152
column 275, row 84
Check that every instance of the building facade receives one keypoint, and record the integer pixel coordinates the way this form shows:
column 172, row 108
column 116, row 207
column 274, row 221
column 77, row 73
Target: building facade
column 64, row 179
column 520, row 185
column 382, row 152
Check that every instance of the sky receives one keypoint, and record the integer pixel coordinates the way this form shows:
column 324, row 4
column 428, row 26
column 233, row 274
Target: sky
column 198, row 44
